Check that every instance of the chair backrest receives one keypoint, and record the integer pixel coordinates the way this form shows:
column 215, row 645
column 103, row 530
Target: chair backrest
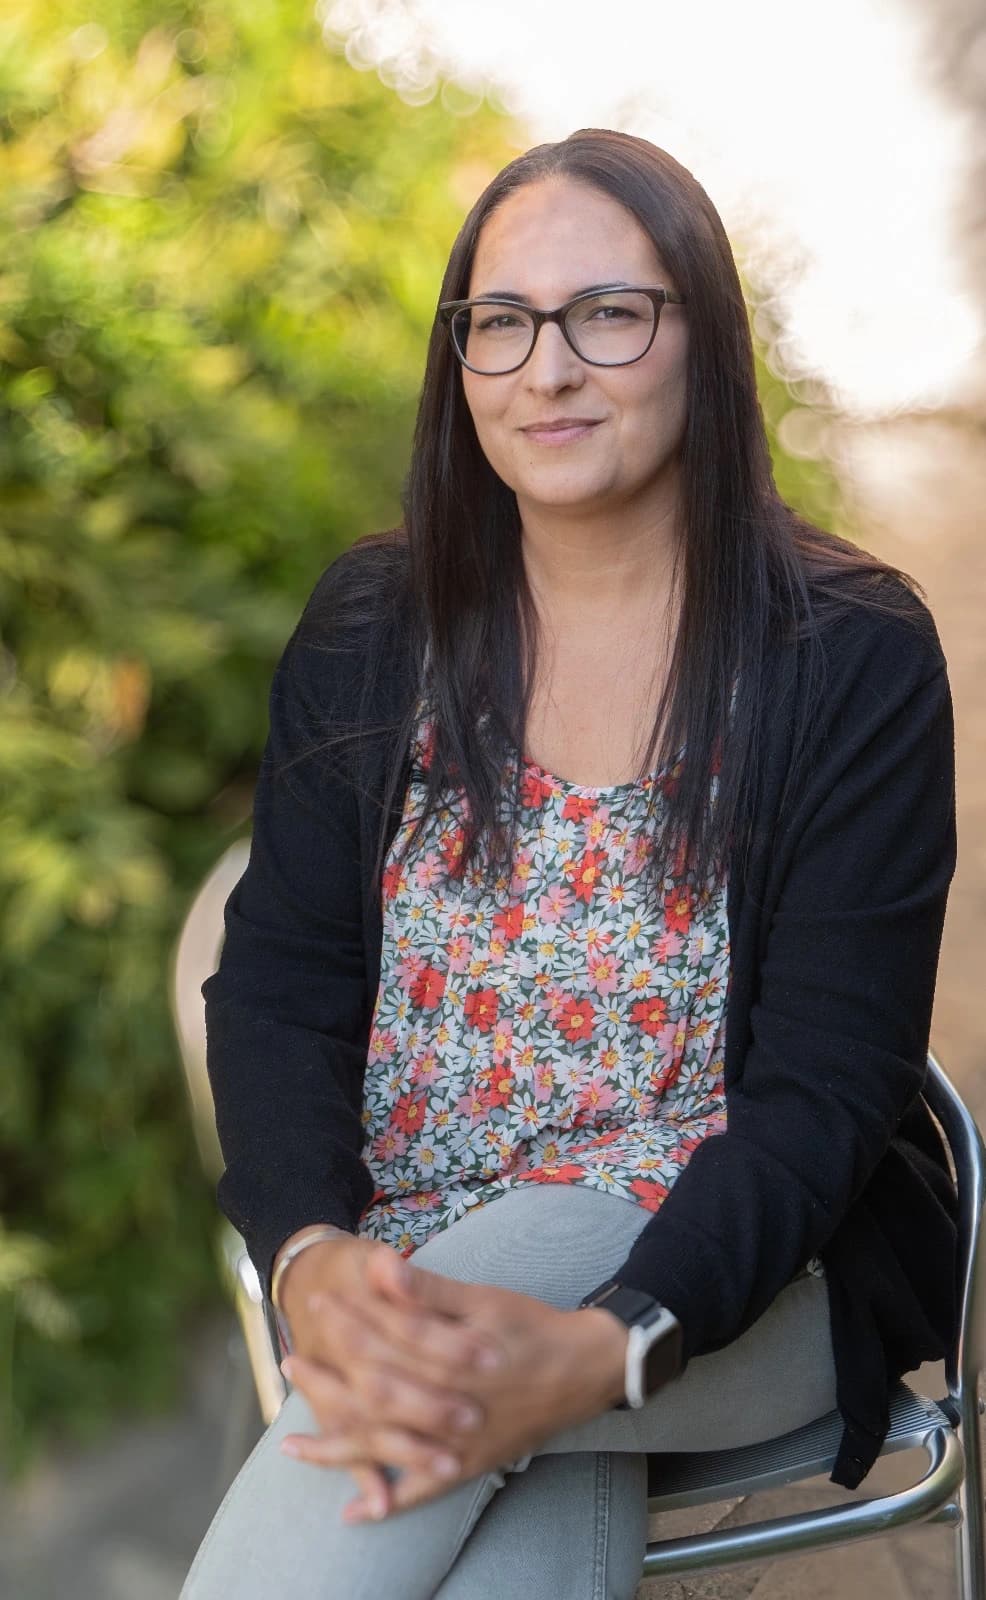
column 196, row 958
column 965, row 1143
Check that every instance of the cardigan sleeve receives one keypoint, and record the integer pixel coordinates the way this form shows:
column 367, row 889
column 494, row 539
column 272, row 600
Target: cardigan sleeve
column 838, row 1030
column 287, row 1012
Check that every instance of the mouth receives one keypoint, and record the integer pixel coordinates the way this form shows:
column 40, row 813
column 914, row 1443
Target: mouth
column 562, row 431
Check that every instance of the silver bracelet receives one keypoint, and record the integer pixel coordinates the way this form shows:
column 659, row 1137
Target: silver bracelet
column 329, row 1231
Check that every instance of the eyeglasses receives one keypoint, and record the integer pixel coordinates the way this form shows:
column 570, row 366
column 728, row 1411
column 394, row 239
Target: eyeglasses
column 606, row 328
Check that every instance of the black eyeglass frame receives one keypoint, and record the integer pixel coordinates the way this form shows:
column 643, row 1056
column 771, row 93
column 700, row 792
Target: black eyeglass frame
column 658, row 298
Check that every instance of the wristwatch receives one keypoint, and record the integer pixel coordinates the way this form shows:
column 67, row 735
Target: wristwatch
column 654, row 1345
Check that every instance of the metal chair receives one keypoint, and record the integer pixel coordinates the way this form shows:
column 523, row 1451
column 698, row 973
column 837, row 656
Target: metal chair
column 951, row 1488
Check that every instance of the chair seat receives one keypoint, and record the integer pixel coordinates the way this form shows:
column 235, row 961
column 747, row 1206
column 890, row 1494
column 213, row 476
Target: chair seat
column 688, row 1479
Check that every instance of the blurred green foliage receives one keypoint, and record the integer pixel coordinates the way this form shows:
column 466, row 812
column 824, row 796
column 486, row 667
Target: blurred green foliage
column 220, row 247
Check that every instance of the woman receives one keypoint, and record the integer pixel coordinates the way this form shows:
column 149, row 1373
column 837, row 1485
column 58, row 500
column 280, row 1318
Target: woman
column 588, row 942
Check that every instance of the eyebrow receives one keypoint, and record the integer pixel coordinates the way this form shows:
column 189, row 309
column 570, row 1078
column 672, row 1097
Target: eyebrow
column 523, row 299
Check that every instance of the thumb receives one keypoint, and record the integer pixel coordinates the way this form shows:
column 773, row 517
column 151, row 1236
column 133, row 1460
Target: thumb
column 410, row 1285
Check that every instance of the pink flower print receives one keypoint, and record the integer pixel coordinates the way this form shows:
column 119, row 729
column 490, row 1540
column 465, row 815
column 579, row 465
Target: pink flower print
column 408, row 969
column 523, row 866
column 428, row 870
column 556, row 905
column 596, row 1095
column 554, row 998
column 382, row 1045
column 609, row 1059
column 425, row 1069
column 666, row 947
column 388, row 1144
column 544, row 1081
column 457, row 952
column 603, row 973
column 596, row 827
column 425, row 1199
column 502, row 1041
column 471, row 1105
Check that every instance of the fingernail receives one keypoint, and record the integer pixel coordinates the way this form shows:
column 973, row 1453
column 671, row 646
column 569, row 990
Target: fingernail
column 317, row 1302
column 289, row 1448
column 445, row 1466
column 287, row 1366
column 488, row 1359
column 467, row 1417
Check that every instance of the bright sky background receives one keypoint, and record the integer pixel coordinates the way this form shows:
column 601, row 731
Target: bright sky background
column 815, row 129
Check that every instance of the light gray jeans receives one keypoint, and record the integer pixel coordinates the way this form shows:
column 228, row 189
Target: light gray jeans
column 570, row 1519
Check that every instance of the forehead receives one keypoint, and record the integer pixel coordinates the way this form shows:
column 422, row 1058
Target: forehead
column 550, row 239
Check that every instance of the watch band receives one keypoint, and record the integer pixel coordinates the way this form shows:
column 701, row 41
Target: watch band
column 649, row 1325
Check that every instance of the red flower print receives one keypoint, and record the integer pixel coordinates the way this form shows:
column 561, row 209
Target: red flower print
column 391, row 880
column 481, row 1009
column 535, row 790
column 650, row 1015
column 575, row 1019
column 409, row 1112
column 452, row 845
column 678, row 903
column 498, row 1086
column 509, row 924
column 566, row 1173
column 428, row 988
column 584, row 874
column 649, row 1192
column 577, row 807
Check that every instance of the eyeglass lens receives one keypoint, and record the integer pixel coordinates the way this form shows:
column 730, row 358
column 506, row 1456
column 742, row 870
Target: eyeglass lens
column 609, row 329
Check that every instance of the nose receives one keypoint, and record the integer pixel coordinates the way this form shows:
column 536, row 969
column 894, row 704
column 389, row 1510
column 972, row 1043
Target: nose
column 553, row 364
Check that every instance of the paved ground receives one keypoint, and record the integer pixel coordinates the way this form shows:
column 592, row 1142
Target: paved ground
column 122, row 1522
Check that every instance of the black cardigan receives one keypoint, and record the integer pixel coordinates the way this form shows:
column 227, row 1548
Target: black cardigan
column 835, row 926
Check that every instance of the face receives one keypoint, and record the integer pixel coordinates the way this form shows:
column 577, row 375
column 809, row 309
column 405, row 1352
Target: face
column 546, row 242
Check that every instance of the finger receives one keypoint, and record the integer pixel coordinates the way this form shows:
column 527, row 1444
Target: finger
column 386, row 1396
column 395, row 1446
column 376, row 1330
column 374, row 1492
column 414, row 1487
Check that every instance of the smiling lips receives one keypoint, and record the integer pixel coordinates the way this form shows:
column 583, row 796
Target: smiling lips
column 561, row 430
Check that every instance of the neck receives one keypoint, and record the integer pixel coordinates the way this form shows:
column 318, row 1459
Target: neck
column 603, row 565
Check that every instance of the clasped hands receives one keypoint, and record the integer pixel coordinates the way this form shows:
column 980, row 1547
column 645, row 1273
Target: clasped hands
column 444, row 1380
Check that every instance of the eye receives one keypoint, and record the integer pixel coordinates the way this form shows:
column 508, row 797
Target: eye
column 499, row 319
column 612, row 313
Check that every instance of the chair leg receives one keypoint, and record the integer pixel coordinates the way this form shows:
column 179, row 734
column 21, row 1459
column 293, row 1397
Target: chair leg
column 970, row 1536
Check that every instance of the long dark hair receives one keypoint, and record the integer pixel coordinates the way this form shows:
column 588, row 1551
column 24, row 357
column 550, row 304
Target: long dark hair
column 751, row 569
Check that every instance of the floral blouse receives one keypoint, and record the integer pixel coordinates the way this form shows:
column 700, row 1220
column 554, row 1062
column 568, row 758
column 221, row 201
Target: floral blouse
column 561, row 1027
